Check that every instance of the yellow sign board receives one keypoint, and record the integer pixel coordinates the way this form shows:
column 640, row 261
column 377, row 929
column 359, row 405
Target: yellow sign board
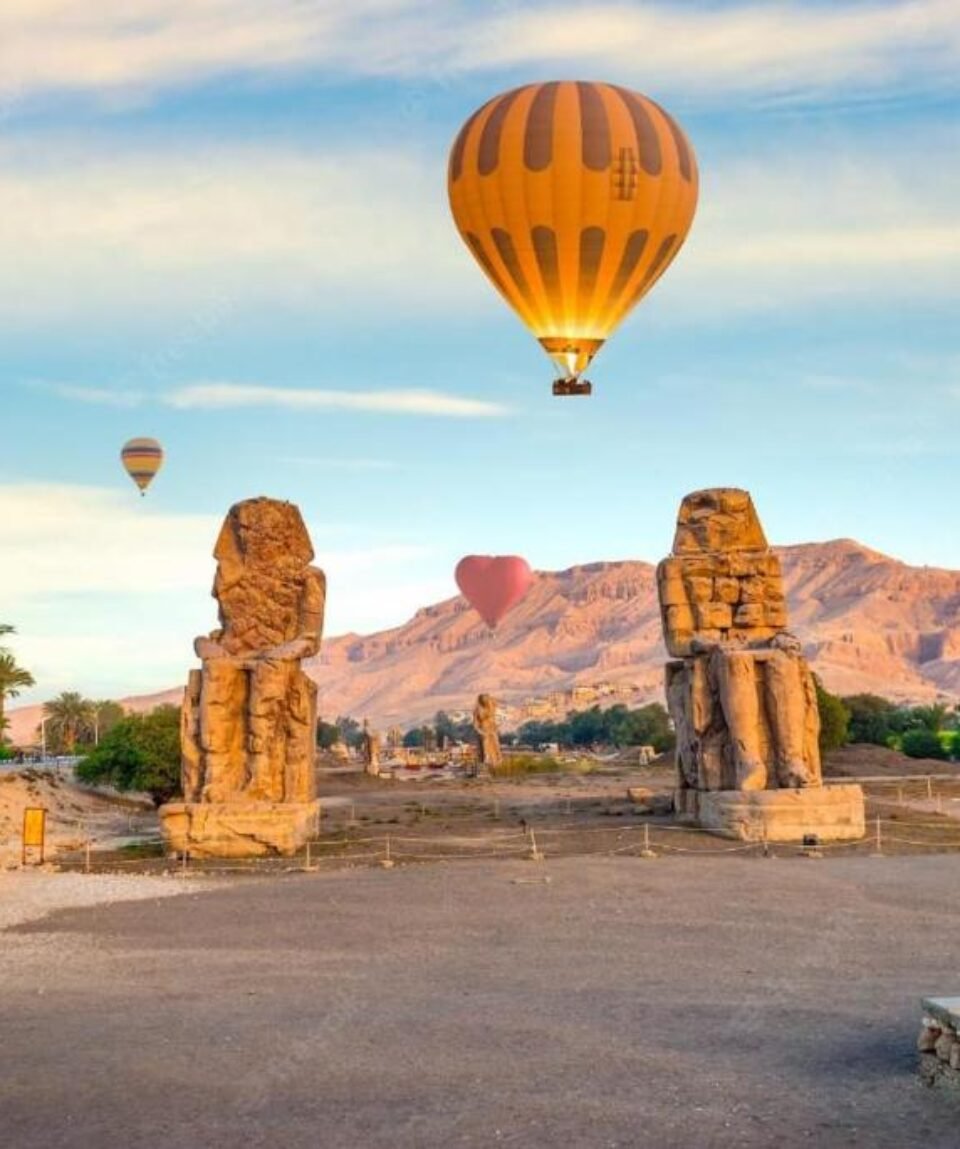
column 34, row 829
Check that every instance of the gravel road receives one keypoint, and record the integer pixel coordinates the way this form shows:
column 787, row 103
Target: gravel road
column 682, row 1002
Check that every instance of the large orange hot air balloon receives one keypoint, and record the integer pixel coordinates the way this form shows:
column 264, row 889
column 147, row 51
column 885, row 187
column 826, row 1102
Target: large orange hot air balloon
column 574, row 199
column 142, row 458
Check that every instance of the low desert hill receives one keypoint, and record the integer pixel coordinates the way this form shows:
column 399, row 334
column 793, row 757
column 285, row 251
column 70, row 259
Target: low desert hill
column 868, row 623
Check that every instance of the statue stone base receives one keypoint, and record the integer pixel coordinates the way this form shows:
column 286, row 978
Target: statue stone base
column 238, row 829
column 831, row 813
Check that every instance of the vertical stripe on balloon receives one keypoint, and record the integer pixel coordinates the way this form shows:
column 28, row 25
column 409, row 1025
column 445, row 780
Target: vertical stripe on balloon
column 594, row 129
column 680, row 140
column 544, row 240
column 508, row 253
column 592, row 240
column 657, row 264
column 538, row 138
column 460, row 145
column 489, row 156
column 648, row 142
column 480, row 254
column 632, row 254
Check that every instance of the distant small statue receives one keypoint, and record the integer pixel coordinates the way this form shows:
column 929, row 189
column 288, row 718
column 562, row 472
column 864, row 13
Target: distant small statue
column 370, row 748
column 485, row 724
column 394, row 739
column 249, row 712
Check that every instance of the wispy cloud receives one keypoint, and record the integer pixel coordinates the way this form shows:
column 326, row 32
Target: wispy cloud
column 98, row 396
column 276, row 227
column 108, row 592
column 768, row 235
column 749, row 47
column 218, row 396
column 201, row 232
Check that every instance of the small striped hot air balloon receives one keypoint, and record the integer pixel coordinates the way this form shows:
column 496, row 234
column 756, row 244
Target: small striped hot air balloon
column 141, row 459
column 574, row 198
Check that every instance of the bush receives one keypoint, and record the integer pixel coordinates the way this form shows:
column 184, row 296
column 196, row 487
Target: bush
column 872, row 719
column 515, row 765
column 327, row 735
column 142, row 752
column 618, row 726
column 834, row 719
column 922, row 743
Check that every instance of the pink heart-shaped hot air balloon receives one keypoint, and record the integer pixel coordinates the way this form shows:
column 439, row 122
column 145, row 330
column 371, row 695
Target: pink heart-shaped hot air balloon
column 492, row 584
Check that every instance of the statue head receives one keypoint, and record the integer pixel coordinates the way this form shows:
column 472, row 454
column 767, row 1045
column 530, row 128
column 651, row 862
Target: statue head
column 717, row 520
column 263, row 555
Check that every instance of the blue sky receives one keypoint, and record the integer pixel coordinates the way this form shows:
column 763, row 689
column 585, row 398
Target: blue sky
column 224, row 223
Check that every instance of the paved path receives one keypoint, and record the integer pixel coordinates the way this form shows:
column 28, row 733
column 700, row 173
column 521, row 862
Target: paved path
column 672, row 1003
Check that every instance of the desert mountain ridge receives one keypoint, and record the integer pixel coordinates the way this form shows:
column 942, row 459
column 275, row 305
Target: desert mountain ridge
column 868, row 622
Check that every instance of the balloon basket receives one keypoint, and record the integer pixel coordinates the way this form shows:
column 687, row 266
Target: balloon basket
column 572, row 387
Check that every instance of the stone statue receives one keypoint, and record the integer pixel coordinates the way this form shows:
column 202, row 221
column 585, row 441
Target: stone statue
column 740, row 693
column 371, row 749
column 249, row 712
column 394, row 739
column 485, row 724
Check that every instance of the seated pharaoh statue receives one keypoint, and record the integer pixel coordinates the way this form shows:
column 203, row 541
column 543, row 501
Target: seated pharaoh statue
column 249, row 712
column 740, row 693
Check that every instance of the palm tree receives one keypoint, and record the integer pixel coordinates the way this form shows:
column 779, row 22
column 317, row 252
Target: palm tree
column 69, row 717
column 13, row 679
column 932, row 717
column 106, row 714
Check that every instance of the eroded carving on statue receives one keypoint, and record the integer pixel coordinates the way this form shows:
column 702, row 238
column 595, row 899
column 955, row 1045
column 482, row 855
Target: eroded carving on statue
column 249, row 714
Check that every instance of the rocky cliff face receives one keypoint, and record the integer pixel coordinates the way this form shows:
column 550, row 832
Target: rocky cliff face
column 868, row 622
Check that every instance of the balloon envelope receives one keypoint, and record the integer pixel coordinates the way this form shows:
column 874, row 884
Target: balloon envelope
column 574, row 199
column 142, row 458
column 493, row 584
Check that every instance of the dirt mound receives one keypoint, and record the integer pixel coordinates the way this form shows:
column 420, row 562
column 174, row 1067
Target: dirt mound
column 73, row 813
column 862, row 760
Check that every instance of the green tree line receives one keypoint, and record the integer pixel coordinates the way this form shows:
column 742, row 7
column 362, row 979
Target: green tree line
column 929, row 731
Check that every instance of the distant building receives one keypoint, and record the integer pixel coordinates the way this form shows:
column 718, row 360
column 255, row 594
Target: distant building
column 537, row 708
column 583, row 696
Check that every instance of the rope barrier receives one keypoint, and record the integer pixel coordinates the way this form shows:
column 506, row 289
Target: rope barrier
column 385, row 849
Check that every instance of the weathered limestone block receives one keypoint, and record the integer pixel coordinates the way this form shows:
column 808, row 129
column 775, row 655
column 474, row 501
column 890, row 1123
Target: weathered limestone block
column 749, row 615
column 832, row 813
column 938, row 1043
column 249, row 714
column 727, row 590
column 713, row 616
column 239, row 829
column 741, row 695
column 945, row 1043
